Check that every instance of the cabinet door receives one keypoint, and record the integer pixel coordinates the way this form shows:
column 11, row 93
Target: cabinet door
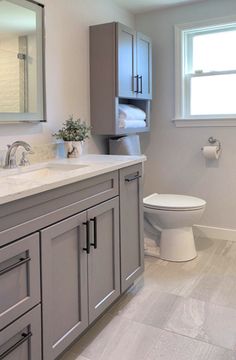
column 131, row 225
column 104, row 259
column 126, row 49
column 144, row 66
column 64, row 284
column 22, row 339
column 19, row 278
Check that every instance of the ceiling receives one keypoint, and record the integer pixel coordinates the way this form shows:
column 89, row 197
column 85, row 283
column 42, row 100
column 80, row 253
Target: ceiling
column 138, row 6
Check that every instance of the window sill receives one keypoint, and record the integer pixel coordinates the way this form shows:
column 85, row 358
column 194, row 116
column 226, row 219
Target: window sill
column 220, row 122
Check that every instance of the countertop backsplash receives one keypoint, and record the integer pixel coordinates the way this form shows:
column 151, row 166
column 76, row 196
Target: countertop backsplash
column 42, row 152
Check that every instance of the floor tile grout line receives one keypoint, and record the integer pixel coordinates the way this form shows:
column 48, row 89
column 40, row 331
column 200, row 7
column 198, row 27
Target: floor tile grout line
column 175, row 333
column 195, row 298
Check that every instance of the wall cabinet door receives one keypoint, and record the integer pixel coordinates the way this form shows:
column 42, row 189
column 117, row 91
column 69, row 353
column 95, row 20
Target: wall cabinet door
column 19, row 278
column 22, row 339
column 104, row 258
column 144, row 66
column 64, row 284
column 131, row 225
column 126, row 62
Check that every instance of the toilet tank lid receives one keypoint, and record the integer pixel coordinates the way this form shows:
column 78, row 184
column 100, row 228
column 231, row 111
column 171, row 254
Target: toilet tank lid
column 172, row 201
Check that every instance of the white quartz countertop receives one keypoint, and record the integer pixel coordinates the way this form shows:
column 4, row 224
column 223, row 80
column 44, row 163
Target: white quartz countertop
column 30, row 180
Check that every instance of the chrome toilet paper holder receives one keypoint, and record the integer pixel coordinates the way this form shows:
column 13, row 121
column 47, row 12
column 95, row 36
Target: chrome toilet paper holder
column 215, row 142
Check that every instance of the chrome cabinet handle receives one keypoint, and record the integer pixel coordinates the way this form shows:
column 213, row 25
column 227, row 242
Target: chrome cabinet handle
column 95, row 244
column 87, row 248
column 17, row 264
column 24, row 338
column 133, row 178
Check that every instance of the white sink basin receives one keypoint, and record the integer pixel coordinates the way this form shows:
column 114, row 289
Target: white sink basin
column 41, row 171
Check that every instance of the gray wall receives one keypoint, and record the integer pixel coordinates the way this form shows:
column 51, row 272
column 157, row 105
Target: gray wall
column 175, row 163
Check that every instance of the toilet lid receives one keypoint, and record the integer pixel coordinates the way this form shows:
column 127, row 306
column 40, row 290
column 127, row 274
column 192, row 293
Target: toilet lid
column 173, row 202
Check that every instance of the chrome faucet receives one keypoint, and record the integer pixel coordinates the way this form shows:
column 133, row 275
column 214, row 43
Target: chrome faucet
column 10, row 161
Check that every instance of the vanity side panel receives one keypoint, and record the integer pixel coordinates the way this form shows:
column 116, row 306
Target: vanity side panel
column 103, row 78
column 131, row 225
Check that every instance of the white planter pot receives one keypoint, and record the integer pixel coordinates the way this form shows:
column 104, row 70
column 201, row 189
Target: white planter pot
column 73, row 149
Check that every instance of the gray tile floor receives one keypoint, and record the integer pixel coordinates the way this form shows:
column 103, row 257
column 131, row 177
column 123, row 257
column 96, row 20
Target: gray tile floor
column 175, row 311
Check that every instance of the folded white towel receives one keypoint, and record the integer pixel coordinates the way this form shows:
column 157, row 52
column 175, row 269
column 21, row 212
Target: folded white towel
column 131, row 112
column 129, row 124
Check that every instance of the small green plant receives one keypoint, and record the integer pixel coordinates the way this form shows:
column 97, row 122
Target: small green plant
column 73, row 130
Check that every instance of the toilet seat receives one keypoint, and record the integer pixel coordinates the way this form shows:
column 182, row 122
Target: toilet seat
column 173, row 202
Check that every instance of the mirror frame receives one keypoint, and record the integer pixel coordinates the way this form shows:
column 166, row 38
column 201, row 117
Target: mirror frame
column 40, row 115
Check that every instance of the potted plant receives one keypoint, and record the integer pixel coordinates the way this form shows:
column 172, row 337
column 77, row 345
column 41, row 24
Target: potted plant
column 73, row 133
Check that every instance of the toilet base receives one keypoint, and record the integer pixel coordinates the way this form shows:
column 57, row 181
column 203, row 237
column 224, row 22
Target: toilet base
column 177, row 244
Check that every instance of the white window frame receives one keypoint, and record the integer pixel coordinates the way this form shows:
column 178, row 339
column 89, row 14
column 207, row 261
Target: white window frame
column 182, row 85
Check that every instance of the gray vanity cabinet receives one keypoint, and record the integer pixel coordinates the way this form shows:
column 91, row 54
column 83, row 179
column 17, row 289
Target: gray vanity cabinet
column 87, row 240
column 19, row 278
column 64, row 284
column 80, row 273
column 131, row 225
column 22, row 339
column 104, row 258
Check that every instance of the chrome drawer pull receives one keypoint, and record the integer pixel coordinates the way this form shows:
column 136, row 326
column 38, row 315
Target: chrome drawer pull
column 133, row 178
column 11, row 267
column 24, row 338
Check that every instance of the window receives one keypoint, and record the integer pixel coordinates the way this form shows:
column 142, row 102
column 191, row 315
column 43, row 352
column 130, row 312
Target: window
column 206, row 72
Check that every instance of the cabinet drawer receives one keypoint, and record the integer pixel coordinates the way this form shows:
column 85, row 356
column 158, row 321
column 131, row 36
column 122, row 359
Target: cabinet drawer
column 19, row 278
column 22, row 339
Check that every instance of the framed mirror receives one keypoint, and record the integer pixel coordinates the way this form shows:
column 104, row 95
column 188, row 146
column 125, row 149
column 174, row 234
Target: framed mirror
column 22, row 92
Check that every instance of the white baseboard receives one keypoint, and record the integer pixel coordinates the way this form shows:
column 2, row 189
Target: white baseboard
column 214, row 232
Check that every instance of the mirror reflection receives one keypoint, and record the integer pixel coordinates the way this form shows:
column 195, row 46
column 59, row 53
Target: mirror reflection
column 21, row 61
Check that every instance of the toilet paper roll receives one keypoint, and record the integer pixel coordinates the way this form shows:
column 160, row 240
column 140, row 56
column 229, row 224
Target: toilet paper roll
column 211, row 152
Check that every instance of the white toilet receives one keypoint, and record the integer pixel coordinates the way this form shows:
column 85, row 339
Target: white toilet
column 174, row 216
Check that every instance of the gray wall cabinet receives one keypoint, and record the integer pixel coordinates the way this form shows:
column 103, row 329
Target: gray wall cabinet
column 134, row 64
column 85, row 249
column 126, row 66
column 22, row 339
column 131, row 225
column 120, row 72
column 144, row 66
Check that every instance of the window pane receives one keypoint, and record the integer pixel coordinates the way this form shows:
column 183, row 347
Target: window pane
column 215, row 51
column 213, row 95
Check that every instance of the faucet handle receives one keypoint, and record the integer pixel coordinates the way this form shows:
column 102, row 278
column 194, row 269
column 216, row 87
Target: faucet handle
column 24, row 160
